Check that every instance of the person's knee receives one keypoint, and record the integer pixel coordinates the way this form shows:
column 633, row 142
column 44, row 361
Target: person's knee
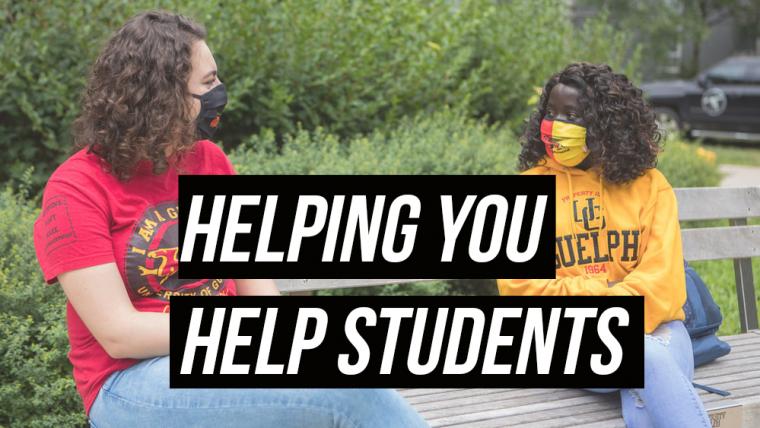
column 655, row 347
column 656, row 355
column 679, row 346
column 670, row 349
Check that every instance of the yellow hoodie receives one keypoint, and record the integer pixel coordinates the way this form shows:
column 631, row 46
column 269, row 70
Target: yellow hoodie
column 628, row 234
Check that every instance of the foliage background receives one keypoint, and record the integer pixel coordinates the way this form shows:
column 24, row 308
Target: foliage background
column 330, row 86
column 346, row 66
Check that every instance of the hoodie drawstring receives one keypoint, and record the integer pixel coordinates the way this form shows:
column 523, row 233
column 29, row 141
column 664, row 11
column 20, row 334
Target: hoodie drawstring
column 570, row 189
column 604, row 233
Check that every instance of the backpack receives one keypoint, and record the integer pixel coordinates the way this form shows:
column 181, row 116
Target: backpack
column 703, row 318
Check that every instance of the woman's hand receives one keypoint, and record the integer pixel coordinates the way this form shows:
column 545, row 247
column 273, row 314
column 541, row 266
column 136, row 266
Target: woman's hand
column 98, row 295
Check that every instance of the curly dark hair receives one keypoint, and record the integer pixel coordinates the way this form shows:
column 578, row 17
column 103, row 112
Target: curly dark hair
column 621, row 131
column 136, row 104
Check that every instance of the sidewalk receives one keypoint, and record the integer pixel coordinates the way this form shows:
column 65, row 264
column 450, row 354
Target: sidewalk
column 739, row 175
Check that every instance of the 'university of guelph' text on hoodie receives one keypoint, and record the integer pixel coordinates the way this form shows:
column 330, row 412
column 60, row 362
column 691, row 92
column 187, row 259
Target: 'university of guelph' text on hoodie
column 627, row 234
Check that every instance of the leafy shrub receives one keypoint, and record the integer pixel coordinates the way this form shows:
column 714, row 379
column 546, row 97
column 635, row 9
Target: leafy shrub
column 36, row 386
column 46, row 48
column 686, row 165
column 442, row 143
column 446, row 142
column 353, row 67
column 349, row 67
column 454, row 287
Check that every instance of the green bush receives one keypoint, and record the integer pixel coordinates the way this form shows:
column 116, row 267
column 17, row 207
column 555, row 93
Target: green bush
column 454, row 287
column 36, row 386
column 442, row 143
column 349, row 67
column 352, row 67
column 686, row 165
column 46, row 48
column 445, row 142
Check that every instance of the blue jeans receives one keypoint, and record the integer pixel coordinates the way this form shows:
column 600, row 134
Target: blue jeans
column 668, row 399
column 140, row 397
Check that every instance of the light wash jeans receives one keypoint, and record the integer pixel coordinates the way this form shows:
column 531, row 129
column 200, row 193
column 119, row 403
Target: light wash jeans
column 668, row 398
column 140, row 397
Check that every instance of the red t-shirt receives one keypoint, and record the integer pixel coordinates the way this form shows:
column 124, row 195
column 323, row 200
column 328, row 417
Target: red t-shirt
column 89, row 218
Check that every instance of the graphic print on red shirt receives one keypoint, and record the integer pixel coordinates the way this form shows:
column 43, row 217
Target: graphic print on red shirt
column 153, row 256
column 90, row 218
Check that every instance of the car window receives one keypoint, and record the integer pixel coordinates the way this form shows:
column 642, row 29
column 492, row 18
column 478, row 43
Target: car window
column 728, row 72
column 753, row 73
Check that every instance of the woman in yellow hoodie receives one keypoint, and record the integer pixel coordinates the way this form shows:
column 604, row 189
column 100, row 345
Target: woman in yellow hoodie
column 617, row 226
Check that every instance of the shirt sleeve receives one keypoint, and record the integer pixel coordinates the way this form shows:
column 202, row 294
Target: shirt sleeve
column 228, row 168
column 73, row 229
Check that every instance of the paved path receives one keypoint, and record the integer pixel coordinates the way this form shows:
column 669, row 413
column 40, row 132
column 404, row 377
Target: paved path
column 740, row 175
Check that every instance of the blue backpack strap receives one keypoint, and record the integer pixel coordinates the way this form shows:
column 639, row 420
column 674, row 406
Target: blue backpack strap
column 711, row 390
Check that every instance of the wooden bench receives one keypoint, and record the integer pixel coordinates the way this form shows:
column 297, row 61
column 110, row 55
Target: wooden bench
column 738, row 372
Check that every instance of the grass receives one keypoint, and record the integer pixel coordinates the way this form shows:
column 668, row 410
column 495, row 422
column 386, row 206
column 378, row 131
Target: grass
column 719, row 277
column 745, row 154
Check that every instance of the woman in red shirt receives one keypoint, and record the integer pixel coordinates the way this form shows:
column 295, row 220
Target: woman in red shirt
column 108, row 233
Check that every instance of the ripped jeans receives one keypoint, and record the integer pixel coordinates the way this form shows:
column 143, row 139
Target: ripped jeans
column 669, row 399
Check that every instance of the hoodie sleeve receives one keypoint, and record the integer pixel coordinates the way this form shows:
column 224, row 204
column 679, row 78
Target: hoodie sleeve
column 659, row 276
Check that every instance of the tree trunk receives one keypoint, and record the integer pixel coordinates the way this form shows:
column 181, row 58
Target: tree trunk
column 695, row 50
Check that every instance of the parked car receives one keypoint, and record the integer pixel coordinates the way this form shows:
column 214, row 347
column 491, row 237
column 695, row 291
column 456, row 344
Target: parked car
column 722, row 103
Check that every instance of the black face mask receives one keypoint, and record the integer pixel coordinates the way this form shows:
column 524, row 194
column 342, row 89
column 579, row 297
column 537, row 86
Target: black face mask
column 212, row 105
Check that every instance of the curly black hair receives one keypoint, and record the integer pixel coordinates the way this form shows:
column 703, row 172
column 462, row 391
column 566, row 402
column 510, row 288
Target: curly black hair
column 621, row 131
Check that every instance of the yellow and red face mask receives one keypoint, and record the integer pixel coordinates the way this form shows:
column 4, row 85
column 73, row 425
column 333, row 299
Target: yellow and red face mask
column 565, row 142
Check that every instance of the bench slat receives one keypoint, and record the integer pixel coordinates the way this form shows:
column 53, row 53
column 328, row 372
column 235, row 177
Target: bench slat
column 713, row 243
column 750, row 392
column 696, row 203
column 560, row 417
column 426, row 392
column 421, row 400
column 290, row 285
column 534, row 405
column 739, row 373
column 465, row 404
column 605, row 423
column 710, row 203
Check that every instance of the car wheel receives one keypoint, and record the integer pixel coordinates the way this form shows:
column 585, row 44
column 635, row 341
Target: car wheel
column 668, row 121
